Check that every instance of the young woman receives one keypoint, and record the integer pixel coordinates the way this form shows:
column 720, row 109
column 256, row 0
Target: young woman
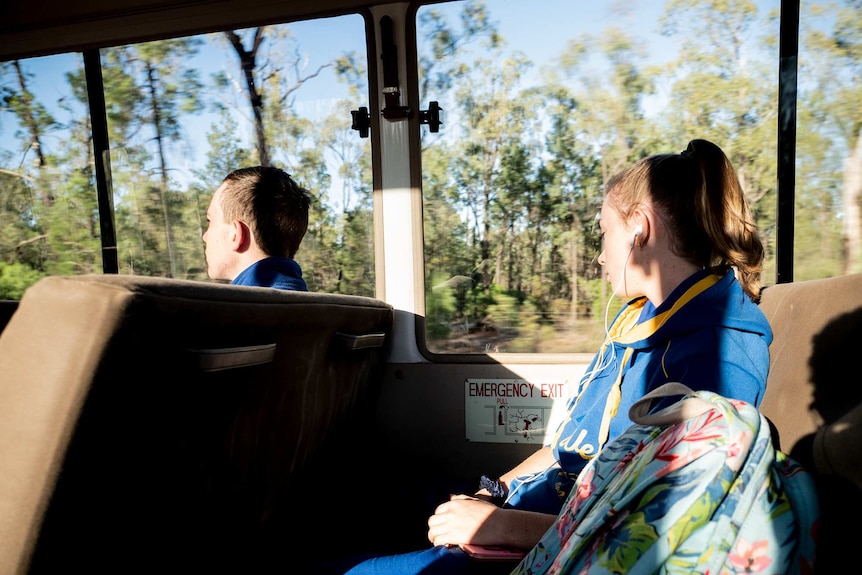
column 681, row 246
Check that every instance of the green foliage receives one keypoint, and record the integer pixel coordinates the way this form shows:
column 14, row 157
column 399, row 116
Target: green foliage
column 440, row 304
column 596, row 294
column 503, row 311
column 510, row 192
column 15, row 278
column 530, row 332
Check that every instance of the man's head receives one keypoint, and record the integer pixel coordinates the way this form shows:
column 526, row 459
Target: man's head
column 255, row 213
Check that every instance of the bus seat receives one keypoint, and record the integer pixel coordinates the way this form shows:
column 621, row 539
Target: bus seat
column 798, row 311
column 155, row 425
column 816, row 325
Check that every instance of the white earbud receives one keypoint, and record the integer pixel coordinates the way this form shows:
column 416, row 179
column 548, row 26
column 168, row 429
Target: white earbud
column 638, row 231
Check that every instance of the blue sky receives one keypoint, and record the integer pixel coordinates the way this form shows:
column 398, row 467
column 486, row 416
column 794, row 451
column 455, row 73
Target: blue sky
column 539, row 28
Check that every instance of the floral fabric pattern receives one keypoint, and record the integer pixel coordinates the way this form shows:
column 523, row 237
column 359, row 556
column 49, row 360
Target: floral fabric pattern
column 708, row 495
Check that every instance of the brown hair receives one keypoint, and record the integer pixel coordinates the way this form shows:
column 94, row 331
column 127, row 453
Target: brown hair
column 273, row 206
column 698, row 195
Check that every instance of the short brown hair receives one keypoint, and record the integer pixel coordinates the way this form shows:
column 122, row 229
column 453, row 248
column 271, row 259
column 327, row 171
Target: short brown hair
column 272, row 204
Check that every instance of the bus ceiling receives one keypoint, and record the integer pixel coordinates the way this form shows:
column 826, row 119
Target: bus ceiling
column 54, row 26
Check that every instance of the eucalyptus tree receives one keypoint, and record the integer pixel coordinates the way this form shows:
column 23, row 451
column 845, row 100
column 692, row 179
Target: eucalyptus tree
column 493, row 113
column 343, row 217
column 450, row 258
column 171, row 88
column 24, row 186
column 600, row 127
column 149, row 88
column 49, row 220
column 73, row 223
column 29, row 185
column 829, row 168
column 456, row 258
column 573, row 175
column 31, row 114
column 724, row 88
column 273, row 69
column 248, row 66
column 440, row 66
column 609, row 109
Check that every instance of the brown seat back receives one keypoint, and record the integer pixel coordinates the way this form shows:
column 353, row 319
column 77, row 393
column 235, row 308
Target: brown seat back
column 797, row 312
column 155, row 425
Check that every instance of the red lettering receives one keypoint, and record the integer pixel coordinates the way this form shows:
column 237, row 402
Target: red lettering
column 552, row 390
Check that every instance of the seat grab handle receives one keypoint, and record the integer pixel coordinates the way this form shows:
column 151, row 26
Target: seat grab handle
column 219, row 359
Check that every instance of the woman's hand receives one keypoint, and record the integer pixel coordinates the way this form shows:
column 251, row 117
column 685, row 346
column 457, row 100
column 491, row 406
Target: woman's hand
column 464, row 519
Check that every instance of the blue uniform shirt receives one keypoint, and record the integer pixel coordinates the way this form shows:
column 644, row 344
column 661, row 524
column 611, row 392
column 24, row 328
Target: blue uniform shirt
column 274, row 272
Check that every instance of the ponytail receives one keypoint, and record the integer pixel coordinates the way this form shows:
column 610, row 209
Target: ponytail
column 723, row 213
column 698, row 182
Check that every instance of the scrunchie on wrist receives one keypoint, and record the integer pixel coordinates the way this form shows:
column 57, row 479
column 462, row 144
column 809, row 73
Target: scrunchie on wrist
column 493, row 486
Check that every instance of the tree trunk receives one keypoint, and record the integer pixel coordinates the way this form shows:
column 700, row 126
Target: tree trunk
column 573, row 265
column 155, row 108
column 851, row 195
column 29, row 120
column 247, row 63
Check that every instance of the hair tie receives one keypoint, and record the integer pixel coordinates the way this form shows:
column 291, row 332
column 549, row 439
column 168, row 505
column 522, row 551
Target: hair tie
column 494, row 486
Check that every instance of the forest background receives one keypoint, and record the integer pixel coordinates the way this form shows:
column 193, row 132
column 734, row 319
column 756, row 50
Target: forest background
column 511, row 184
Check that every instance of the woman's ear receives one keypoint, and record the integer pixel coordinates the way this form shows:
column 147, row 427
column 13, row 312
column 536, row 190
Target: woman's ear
column 642, row 227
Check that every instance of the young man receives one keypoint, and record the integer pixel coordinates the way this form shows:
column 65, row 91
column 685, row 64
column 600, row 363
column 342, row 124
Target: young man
column 257, row 219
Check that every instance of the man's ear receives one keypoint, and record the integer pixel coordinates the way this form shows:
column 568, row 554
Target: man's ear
column 240, row 237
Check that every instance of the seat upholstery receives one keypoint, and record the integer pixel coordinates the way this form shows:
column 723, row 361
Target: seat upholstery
column 817, row 330
column 152, row 425
column 797, row 312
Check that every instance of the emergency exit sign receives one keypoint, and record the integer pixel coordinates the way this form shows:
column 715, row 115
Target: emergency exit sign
column 513, row 410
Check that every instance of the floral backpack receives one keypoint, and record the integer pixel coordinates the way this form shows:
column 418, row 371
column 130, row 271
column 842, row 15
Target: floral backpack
column 694, row 488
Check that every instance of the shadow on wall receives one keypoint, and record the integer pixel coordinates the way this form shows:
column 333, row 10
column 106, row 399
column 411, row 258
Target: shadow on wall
column 834, row 452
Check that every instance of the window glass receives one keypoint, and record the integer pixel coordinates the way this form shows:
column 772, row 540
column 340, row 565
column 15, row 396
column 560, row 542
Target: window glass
column 827, row 237
column 223, row 104
column 49, row 219
column 183, row 113
column 541, row 107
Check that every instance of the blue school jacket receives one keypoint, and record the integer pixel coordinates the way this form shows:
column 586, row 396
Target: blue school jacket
column 708, row 335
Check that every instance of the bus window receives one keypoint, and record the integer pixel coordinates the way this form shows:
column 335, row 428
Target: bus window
column 48, row 213
column 181, row 114
column 539, row 113
column 827, row 234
